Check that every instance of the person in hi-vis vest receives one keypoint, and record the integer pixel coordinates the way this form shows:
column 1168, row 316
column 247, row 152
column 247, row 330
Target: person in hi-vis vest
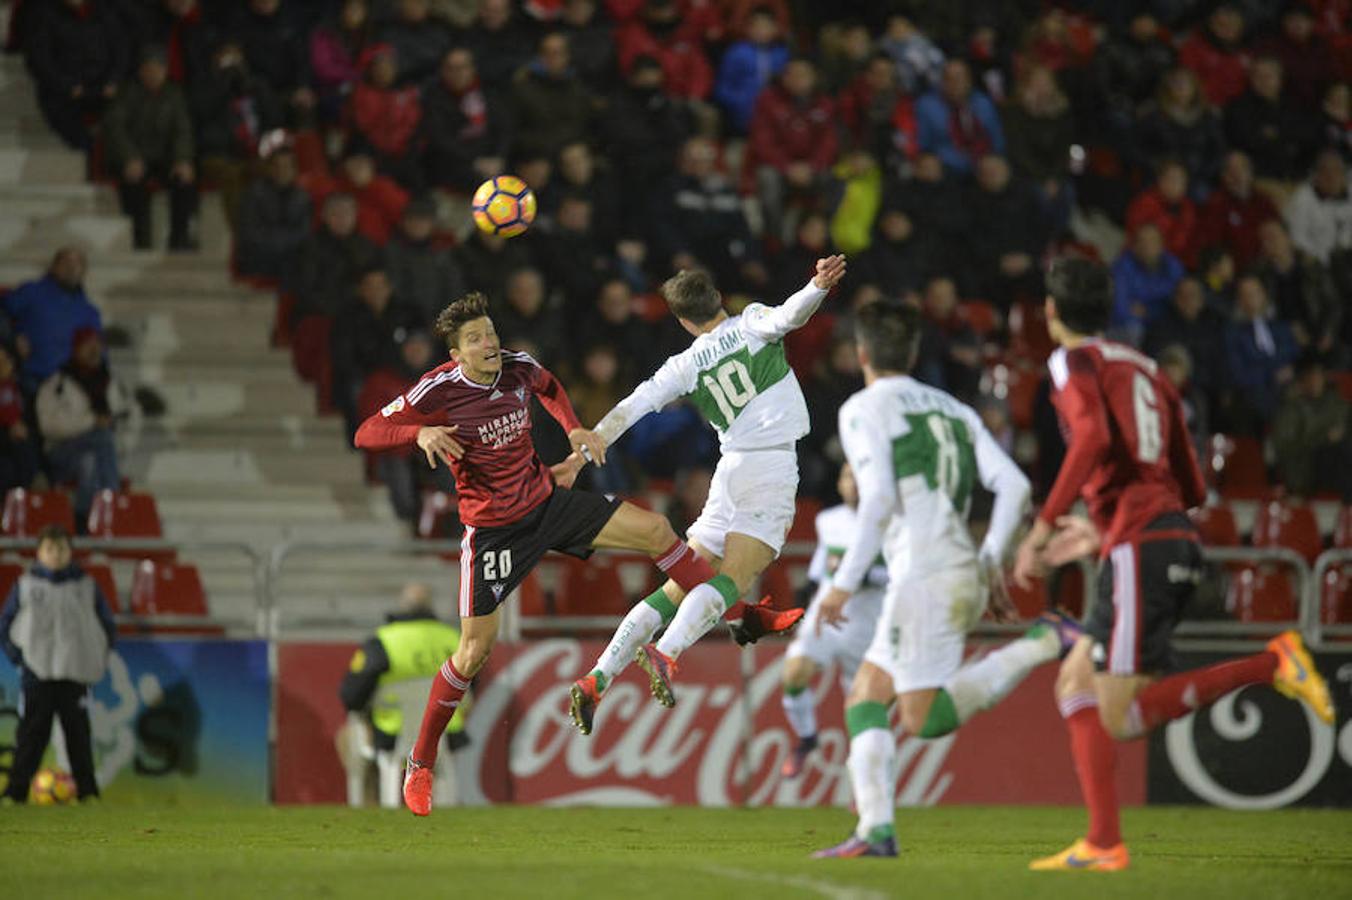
column 388, row 674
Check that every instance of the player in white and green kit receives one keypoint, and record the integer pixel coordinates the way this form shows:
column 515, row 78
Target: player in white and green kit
column 917, row 454
column 735, row 372
column 843, row 644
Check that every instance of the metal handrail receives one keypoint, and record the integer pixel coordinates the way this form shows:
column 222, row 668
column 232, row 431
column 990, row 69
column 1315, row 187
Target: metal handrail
column 257, row 571
column 1307, row 608
column 1326, row 561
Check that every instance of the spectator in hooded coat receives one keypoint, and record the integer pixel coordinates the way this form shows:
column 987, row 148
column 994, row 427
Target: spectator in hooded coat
column 551, row 106
column 274, row 218
column 748, row 66
column 424, row 275
column 464, row 126
column 958, row 123
column 78, row 58
column 47, row 313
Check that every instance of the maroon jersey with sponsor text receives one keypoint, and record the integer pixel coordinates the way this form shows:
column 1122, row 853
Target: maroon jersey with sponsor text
column 1128, row 453
column 500, row 478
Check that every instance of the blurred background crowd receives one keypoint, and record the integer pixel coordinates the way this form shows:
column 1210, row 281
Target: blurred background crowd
column 949, row 149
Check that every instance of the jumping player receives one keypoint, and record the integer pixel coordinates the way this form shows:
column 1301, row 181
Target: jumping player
column 845, row 643
column 917, row 454
column 473, row 412
column 1130, row 458
column 736, row 374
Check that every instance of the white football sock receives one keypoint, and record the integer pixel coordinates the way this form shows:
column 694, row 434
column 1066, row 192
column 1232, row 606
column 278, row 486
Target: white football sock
column 801, row 711
column 698, row 613
column 984, row 683
column 871, row 765
column 637, row 629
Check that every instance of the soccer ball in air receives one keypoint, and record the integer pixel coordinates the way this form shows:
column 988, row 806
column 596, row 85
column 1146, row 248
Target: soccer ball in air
column 504, row 206
column 51, row 787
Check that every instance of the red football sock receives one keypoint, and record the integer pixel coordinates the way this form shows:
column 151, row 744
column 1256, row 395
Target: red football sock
column 1095, row 755
column 1178, row 695
column 448, row 687
column 684, row 566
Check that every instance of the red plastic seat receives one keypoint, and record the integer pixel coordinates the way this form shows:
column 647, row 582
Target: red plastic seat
column 1335, row 600
column 804, row 527
column 1216, row 523
column 1342, row 533
column 1259, row 595
column 161, row 587
column 127, row 515
column 28, row 512
column 1281, row 524
column 980, row 316
column 591, row 588
column 532, row 600
column 439, row 515
column 1237, row 466
column 9, row 576
column 102, row 573
column 1031, row 602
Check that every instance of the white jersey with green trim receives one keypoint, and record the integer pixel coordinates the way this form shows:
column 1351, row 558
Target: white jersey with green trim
column 836, row 526
column 736, row 375
column 917, row 452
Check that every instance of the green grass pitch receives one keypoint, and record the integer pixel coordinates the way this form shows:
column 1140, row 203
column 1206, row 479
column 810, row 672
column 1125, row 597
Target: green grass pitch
column 953, row 853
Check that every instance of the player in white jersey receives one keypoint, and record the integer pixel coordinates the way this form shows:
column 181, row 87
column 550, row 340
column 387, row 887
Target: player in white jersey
column 917, row 453
column 844, row 643
column 735, row 372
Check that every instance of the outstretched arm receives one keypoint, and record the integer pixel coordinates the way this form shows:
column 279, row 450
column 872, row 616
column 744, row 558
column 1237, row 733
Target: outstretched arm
column 673, row 380
column 772, row 323
column 398, row 424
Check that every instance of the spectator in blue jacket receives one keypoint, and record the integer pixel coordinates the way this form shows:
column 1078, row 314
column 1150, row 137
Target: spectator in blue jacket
column 1144, row 278
column 1261, row 353
column 748, row 66
column 46, row 314
column 958, row 123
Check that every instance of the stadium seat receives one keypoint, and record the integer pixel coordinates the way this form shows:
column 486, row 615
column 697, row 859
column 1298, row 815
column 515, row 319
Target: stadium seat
column 1216, row 523
column 804, row 527
column 439, row 518
column 102, row 573
column 1342, row 532
column 28, row 512
column 1259, row 595
column 591, row 588
column 127, row 515
column 169, row 588
column 1237, row 467
column 980, row 316
column 1280, row 524
column 9, row 576
column 1031, row 602
column 1335, row 600
column 532, row 600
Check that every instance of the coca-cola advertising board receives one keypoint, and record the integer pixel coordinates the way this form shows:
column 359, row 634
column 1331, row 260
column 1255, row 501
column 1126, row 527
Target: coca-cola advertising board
column 1255, row 749
column 722, row 745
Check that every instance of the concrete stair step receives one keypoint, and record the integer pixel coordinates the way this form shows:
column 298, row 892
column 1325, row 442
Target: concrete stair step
column 223, row 399
column 20, row 165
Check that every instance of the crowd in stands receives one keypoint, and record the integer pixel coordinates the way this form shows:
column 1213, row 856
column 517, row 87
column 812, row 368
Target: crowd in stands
column 948, row 148
column 59, row 404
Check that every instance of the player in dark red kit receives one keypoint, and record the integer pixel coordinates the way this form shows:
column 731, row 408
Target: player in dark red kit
column 473, row 412
column 1130, row 458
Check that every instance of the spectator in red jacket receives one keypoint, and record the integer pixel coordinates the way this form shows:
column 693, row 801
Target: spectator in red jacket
column 1234, row 212
column 380, row 202
column 1166, row 206
column 1304, row 55
column 387, row 116
column 662, row 32
column 1216, row 53
column 879, row 118
column 792, row 142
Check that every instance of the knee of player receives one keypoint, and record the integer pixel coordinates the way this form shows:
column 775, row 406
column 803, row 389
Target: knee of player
column 1115, row 722
column 659, row 534
column 913, row 719
column 471, row 655
column 798, row 672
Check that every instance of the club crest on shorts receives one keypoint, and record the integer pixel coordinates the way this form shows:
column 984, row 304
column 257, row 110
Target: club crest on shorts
column 497, row 592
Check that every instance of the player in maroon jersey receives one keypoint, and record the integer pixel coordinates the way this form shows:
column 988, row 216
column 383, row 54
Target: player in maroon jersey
column 473, row 412
column 1129, row 457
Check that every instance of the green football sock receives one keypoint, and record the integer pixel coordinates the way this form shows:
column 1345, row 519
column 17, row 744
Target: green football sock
column 942, row 718
column 862, row 716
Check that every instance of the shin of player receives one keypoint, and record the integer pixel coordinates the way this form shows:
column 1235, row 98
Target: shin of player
column 1130, row 457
